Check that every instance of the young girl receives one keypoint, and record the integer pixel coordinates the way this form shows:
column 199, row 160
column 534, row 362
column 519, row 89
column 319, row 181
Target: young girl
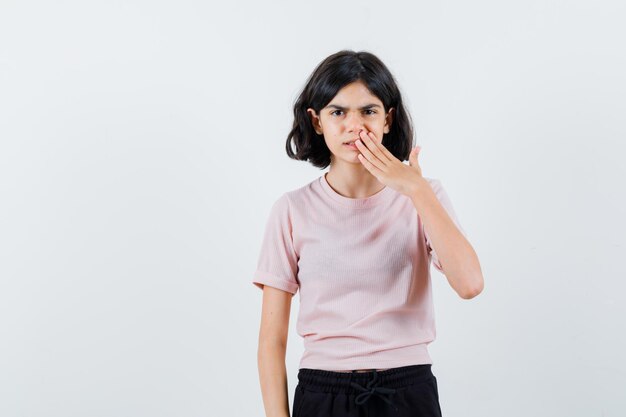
column 357, row 242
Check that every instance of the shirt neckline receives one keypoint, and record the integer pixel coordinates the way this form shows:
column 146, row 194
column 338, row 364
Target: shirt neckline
column 372, row 200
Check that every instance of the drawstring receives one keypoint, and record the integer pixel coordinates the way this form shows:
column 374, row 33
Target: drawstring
column 372, row 388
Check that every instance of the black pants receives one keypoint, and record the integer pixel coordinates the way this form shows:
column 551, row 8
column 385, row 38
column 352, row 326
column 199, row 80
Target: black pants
column 398, row 392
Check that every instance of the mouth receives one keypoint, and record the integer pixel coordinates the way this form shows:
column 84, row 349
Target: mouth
column 351, row 146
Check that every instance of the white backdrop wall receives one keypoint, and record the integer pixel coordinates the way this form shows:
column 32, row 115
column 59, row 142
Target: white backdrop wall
column 142, row 145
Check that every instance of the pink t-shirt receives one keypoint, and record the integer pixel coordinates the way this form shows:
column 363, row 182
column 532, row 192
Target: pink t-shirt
column 362, row 268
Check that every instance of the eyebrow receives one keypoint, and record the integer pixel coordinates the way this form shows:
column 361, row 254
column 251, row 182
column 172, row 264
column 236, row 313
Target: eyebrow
column 367, row 106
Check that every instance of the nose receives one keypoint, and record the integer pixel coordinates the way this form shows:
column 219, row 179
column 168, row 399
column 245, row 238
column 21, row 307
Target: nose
column 354, row 122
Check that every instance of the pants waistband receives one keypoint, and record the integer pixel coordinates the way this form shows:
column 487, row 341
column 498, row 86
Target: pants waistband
column 330, row 381
column 365, row 384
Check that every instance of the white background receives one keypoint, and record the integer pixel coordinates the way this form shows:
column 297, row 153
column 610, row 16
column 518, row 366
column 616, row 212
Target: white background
column 142, row 145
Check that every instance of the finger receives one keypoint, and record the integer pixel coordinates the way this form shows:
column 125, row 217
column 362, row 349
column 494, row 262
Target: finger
column 374, row 147
column 412, row 159
column 369, row 166
column 382, row 148
column 369, row 156
column 414, row 153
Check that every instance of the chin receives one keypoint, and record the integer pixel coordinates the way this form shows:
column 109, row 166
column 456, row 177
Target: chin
column 353, row 160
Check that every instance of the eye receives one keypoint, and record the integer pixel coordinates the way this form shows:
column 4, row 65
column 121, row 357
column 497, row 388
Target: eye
column 367, row 112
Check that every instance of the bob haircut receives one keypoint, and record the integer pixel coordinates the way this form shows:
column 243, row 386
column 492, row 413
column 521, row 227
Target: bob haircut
column 330, row 76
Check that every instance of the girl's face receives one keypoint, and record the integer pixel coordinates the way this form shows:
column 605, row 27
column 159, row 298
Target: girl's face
column 354, row 108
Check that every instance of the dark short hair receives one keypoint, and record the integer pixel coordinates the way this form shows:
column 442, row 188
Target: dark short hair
column 330, row 76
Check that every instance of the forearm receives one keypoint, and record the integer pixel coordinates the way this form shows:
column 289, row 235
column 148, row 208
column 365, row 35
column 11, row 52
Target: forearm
column 273, row 378
column 456, row 255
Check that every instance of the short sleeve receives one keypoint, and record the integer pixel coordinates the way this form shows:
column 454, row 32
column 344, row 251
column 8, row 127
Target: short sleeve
column 445, row 201
column 278, row 262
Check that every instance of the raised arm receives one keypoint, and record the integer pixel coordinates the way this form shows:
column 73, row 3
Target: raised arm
column 455, row 254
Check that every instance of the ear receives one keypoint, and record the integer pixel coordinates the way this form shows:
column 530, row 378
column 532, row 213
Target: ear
column 315, row 120
column 389, row 119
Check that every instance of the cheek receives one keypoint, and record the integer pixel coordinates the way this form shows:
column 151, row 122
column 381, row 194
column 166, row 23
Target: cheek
column 377, row 127
column 377, row 124
column 334, row 129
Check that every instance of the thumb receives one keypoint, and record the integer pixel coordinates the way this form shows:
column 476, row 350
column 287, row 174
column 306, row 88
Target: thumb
column 413, row 155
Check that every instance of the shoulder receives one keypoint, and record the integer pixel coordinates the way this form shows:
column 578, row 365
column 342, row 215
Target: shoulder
column 439, row 189
column 302, row 194
column 287, row 200
column 280, row 206
column 435, row 183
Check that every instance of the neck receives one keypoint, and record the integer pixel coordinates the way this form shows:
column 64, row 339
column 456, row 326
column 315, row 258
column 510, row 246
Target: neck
column 353, row 180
